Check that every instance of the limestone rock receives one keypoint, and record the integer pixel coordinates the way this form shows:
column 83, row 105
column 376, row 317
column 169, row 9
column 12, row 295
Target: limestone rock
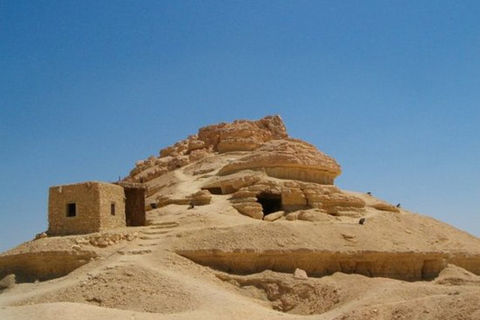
column 331, row 199
column 7, row 282
column 234, row 182
column 292, row 216
column 293, row 198
column 288, row 159
column 313, row 215
column 194, row 145
column 273, row 216
column 242, row 135
column 300, row 274
column 201, row 198
column 41, row 235
column 196, row 155
column 253, row 210
column 244, row 195
column 383, row 206
column 162, row 201
column 102, row 243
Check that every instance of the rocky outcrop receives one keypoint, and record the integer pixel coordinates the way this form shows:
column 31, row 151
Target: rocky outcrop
column 271, row 152
column 240, row 135
column 233, row 183
column 200, row 198
column 288, row 159
column 46, row 265
column 331, row 199
column 408, row 266
column 293, row 196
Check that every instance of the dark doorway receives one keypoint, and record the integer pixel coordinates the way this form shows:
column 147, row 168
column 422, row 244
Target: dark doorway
column 134, row 206
column 270, row 202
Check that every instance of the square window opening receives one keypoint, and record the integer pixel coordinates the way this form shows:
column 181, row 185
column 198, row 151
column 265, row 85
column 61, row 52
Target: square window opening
column 71, row 210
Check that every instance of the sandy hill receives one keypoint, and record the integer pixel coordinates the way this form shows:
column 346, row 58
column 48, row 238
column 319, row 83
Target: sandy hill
column 246, row 222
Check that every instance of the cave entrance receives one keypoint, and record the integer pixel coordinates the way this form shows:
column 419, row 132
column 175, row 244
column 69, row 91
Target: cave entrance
column 214, row 190
column 270, row 202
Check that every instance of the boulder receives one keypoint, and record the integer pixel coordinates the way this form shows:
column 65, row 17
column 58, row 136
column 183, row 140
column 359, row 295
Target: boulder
column 274, row 216
column 7, row 282
column 292, row 216
column 251, row 209
column 201, row 198
column 300, row 274
column 41, row 235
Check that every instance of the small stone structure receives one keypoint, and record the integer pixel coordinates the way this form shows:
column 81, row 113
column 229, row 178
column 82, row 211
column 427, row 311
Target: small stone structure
column 85, row 208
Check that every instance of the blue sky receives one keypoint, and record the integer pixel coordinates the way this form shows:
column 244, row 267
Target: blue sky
column 388, row 88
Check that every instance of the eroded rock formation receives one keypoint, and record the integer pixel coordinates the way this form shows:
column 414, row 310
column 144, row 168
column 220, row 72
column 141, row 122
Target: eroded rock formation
column 255, row 194
column 288, row 159
column 261, row 173
column 269, row 148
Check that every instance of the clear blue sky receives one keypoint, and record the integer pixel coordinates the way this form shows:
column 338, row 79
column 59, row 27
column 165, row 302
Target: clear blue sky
column 391, row 89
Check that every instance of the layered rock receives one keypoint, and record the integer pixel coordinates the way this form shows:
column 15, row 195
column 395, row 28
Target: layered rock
column 233, row 182
column 240, row 135
column 288, row 159
column 244, row 135
column 266, row 172
column 288, row 196
column 200, row 198
column 271, row 152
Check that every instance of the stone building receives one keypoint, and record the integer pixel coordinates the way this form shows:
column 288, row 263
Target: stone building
column 94, row 207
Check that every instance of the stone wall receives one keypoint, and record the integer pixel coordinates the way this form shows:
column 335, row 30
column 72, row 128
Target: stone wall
column 111, row 194
column 93, row 203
